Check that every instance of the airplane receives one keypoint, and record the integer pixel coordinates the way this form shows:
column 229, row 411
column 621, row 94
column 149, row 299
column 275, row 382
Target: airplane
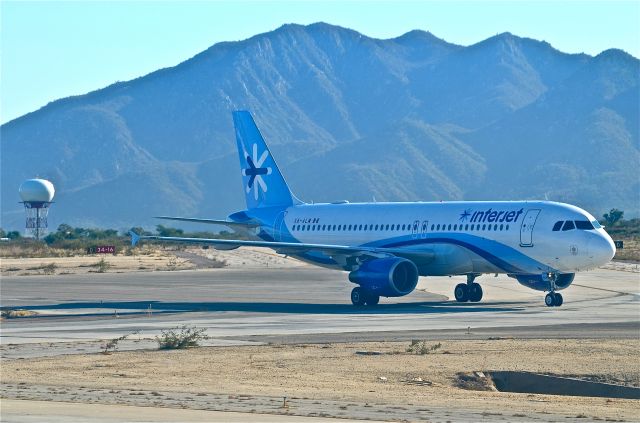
column 387, row 246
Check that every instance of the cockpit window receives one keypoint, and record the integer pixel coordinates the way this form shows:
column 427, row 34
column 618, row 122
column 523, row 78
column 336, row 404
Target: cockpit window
column 584, row 224
column 558, row 225
column 596, row 224
column 568, row 225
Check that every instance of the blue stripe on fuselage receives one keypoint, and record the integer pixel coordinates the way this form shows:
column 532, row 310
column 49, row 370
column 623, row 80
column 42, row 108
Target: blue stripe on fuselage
column 490, row 250
column 491, row 258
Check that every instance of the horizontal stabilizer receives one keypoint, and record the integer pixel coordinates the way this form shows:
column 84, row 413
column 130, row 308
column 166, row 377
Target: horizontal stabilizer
column 229, row 223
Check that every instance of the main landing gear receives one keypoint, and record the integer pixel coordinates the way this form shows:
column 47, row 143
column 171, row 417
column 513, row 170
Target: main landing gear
column 469, row 291
column 360, row 297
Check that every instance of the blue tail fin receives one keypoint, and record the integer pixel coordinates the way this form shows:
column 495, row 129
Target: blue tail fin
column 264, row 185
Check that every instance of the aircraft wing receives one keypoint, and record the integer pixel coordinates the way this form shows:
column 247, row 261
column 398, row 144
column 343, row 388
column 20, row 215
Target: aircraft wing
column 290, row 248
column 229, row 223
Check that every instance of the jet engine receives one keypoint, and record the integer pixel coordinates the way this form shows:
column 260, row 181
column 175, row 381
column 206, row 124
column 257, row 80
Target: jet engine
column 541, row 282
column 387, row 277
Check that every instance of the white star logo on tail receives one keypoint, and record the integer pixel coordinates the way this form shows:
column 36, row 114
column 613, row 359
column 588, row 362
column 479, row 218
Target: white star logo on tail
column 255, row 171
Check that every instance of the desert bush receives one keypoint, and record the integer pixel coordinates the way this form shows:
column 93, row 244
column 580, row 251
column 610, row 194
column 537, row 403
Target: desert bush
column 49, row 269
column 421, row 348
column 112, row 344
column 102, row 265
column 172, row 264
column 181, row 337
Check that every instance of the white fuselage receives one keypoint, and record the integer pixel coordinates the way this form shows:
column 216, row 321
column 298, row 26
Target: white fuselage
column 452, row 238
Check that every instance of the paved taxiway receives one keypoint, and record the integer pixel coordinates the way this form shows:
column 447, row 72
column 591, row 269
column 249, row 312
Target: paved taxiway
column 251, row 305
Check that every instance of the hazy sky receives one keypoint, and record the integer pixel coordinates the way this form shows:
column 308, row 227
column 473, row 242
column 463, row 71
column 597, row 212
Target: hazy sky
column 56, row 49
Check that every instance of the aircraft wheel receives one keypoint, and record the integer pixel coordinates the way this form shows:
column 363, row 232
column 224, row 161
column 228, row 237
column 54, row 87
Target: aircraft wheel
column 558, row 299
column 461, row 292
column 550, row 299
column 357, row 296
column 475, row 292
column 372, row 299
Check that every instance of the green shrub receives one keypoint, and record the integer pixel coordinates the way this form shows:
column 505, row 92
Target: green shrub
column 181, row 337
column 420, row 347
column 102, row 265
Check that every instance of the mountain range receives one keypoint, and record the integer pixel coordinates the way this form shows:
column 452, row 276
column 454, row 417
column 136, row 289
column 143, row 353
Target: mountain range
column 347, row 117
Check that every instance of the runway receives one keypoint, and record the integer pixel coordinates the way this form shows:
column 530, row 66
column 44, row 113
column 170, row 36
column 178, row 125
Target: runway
column 297, row 305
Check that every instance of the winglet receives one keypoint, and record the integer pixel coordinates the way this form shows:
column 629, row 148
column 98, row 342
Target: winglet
column 134, row 238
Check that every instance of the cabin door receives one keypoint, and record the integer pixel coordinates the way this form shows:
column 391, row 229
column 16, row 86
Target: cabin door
column 424, row 228
column 415, row 228
column 526, row 228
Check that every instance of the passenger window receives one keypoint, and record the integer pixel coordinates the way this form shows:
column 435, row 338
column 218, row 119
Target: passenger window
column 455, row 227
column 501, row 226
column 387, row 227
column 568, row 225
column 584, row 225
column 484, row 227
column 507, row 227
column 557, row 226
column 466, row 227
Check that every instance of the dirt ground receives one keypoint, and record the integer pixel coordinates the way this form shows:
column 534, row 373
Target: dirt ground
column 389, row 375
column 148, row 260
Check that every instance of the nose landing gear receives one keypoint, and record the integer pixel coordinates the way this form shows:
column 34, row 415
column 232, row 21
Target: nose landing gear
column 469, row 291
column 553, row 298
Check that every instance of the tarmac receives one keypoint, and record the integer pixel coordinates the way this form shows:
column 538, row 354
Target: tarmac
column 77, row 313
column 305, row 304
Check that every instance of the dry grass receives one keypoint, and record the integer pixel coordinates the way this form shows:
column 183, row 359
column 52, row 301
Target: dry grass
column 92, row 264
column 16, row 313
column 630, row 252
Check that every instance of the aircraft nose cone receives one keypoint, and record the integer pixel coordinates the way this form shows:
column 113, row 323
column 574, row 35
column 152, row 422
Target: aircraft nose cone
column 602, row 249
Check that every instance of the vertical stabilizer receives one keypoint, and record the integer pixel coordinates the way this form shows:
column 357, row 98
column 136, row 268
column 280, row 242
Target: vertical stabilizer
column 263, row 184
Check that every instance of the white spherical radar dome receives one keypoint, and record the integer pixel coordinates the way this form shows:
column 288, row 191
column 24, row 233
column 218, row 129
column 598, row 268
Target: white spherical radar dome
column 37, row 190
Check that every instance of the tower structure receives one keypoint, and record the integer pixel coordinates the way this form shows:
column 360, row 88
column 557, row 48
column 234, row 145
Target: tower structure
column 37, row 195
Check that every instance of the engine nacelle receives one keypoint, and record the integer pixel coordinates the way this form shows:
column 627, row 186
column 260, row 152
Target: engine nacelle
column 541, row 282
column 387, row 277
